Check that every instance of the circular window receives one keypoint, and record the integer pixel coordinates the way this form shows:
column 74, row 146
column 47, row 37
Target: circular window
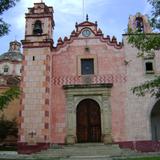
column 86, row 32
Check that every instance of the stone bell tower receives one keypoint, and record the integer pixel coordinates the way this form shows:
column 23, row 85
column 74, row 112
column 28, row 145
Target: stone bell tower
column 139, row 23
column 34, row 131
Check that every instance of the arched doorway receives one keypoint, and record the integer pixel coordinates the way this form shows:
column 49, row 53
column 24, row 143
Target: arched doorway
column 88, row 121
column 155, row 122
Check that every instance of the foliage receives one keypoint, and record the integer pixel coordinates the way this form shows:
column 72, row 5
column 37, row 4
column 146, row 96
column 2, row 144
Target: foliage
column 8, row 96
column 148, row 43
column 144, row 42
column 155, row 19
column 152, row 87
column 7, row 128
column 5, row 5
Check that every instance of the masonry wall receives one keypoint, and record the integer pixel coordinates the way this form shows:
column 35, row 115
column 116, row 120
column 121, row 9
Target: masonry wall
column 138, row 109
column 35, row 102
column 14, row 68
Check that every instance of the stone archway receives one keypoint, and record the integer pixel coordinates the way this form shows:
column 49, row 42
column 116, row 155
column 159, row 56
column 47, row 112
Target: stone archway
column 155, row 122
column 88, row 116
column 97, row 92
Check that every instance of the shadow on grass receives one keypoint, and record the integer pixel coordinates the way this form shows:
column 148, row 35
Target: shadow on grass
column 8, row 148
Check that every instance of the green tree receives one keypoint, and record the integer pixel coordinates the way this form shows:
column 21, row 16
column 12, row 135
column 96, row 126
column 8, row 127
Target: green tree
column 155, row 19
column 4, row 6
column 148, row 43
column 12, row 92
column 8, row 96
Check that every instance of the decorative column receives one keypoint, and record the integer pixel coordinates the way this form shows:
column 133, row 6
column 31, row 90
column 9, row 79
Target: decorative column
column 107, row 124
column 70, row 138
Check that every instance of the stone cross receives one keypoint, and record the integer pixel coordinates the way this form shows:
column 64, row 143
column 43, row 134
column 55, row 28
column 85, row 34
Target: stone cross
column 32, row 134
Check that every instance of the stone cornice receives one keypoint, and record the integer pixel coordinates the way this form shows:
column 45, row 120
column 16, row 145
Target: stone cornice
column 102, row 85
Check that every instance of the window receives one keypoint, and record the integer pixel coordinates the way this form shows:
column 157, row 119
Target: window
column 149, row 67
column 87, row 66
column 6, row 69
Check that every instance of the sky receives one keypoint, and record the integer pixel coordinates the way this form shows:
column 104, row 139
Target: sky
column 111, row 15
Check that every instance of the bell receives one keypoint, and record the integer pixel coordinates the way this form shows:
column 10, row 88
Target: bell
column 37, row 28
column 139, row 24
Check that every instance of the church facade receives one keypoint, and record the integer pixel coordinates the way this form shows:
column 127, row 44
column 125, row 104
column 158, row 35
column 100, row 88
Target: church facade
column 80, row 90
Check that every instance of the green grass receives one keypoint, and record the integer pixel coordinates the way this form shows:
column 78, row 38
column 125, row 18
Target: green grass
column 143, row 158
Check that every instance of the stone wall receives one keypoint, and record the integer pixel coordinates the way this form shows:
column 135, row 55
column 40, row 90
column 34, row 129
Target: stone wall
column 138, row 109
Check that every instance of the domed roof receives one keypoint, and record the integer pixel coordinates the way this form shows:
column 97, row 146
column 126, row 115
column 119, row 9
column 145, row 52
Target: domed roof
column 14, row 53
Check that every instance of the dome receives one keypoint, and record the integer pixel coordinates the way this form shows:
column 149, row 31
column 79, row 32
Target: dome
column 14, row 53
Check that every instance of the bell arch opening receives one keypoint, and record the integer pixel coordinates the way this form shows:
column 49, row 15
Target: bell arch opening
column 37, row 30
column 155, row 122
column 88, row 117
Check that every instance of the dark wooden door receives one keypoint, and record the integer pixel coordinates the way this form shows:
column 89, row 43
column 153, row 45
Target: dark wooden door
column 88, row 121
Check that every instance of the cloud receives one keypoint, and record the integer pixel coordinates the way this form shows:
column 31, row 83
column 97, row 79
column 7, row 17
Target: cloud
column 112, row 15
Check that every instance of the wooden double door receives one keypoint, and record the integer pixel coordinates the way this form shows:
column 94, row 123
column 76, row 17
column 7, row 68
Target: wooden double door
column 88, row 121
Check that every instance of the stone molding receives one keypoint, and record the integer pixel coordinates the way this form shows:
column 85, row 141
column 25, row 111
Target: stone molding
column 97, row 92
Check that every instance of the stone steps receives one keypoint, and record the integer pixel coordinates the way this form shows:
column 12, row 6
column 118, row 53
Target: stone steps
column 86, row 151
column 87, row 158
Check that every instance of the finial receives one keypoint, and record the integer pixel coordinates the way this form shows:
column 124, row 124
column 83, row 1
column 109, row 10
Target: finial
column 87, row 17
column 96, row 23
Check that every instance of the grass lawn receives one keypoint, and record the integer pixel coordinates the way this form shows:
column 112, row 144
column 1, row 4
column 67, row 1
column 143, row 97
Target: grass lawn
column 145, row 158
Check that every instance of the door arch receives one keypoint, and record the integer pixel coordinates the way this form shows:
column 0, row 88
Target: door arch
column 88, row 117
column 155, row 122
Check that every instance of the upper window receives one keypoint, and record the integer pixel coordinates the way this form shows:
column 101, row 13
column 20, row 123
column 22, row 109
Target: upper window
column 87, row 66
column 5, row 69
column 149, row 67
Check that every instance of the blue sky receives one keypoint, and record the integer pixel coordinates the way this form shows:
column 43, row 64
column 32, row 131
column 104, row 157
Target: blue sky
column 111, row 15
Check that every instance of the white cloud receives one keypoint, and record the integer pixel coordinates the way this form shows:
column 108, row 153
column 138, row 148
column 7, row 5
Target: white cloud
column 68, row 12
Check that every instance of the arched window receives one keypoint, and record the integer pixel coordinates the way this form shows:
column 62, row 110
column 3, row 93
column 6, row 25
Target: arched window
column 139, row 24
column 6, row 69
column 37, row 30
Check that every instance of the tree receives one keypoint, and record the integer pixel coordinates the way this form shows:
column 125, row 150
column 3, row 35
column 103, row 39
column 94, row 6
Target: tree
column 13, row 92
column 4, row 6
column 148, row 43
column 155, row 19
column 8, row 96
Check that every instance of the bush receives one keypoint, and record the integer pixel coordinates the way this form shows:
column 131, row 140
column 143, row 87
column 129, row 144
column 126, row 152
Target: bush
column 7, row 128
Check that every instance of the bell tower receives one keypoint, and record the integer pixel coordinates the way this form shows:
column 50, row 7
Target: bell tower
column 34, row 131
column 139, row 23
column 39, row 22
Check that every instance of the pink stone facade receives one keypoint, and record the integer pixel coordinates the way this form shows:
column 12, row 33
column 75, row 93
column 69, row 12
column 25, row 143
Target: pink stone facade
column 47, row 69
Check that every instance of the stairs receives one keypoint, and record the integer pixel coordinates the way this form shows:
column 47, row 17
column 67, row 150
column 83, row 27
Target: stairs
column 88, row 151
